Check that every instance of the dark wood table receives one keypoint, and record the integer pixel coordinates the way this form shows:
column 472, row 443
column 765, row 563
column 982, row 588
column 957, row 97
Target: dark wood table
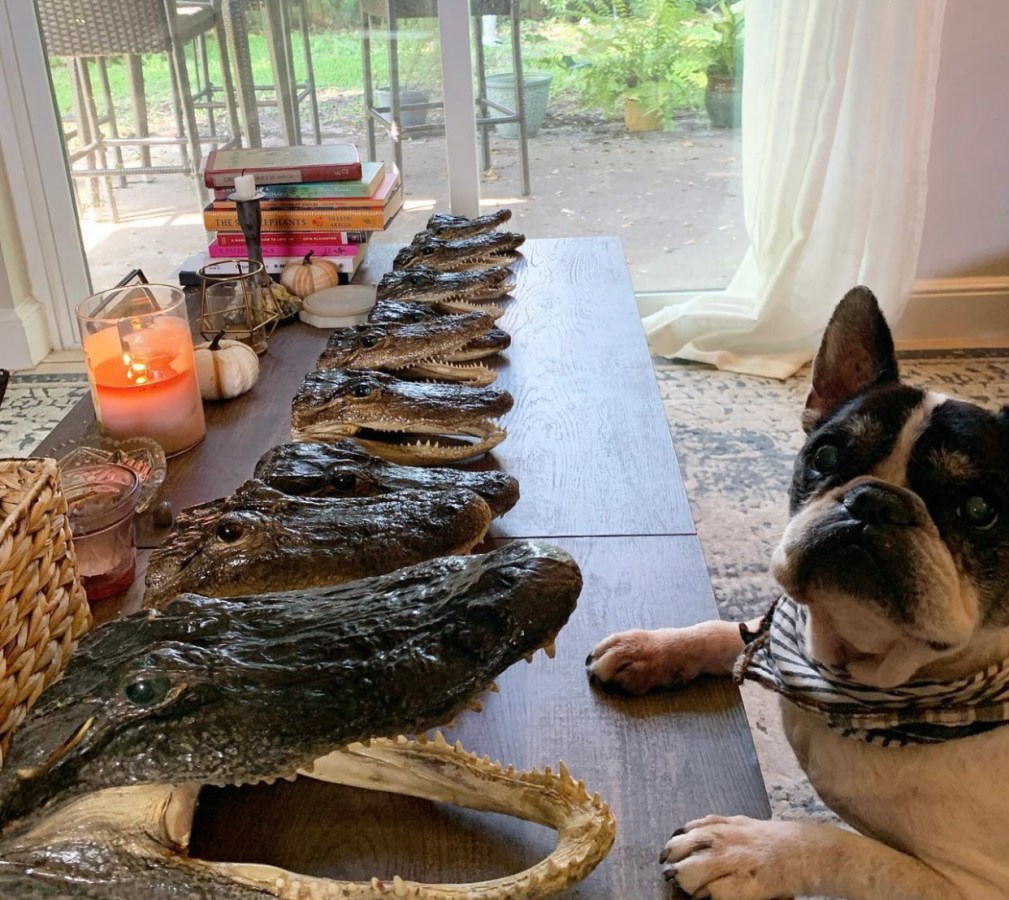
column 590, row 445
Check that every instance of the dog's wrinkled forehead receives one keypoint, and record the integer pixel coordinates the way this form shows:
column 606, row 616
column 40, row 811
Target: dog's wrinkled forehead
column 913, row 438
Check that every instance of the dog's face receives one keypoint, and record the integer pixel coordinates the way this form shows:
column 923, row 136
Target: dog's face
column 898, row 540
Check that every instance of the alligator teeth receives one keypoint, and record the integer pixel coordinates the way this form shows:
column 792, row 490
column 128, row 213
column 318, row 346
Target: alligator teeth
column 551, row 649
column 493, row 687
column 476, row 706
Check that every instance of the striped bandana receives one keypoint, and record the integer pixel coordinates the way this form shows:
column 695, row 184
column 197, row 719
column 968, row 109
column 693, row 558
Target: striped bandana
column 919, row 712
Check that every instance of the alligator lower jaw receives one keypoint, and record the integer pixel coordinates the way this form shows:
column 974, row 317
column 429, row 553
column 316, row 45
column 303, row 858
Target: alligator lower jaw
column 466, row 306
column 433, row 770
column 446, row 369
column 480, row 348
column 420, row 446
column 492, row 260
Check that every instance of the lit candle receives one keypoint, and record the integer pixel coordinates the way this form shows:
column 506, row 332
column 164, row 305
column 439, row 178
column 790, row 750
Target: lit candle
column 143, row 378
column 245, row 187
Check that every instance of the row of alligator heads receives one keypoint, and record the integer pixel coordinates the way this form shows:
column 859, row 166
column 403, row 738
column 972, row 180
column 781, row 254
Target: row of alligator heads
column 300, row 626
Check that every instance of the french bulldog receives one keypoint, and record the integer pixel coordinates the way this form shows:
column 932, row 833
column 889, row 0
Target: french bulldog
column 890, row 648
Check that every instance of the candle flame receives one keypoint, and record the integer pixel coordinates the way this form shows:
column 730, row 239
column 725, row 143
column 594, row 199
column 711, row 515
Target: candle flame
column 137, row 372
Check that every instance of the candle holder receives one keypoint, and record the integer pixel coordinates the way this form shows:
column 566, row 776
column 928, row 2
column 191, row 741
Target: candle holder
column 138, row 350
column 234, row 300
column 250, row 219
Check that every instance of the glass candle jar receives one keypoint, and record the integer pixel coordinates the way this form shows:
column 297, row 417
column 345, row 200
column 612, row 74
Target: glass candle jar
column 101, row 500
column 235, row 300
column 138, row 349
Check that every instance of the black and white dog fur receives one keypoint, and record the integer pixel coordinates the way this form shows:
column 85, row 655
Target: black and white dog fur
column 898, row 548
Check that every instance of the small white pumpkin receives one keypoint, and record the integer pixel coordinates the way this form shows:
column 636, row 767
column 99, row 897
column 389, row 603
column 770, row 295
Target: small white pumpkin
column 225, row 369
column 309, row 275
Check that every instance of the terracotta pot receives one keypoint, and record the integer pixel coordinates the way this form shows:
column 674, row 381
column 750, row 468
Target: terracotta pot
column 637, row 119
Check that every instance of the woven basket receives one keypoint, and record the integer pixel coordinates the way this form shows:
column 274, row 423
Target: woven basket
column 43, row 609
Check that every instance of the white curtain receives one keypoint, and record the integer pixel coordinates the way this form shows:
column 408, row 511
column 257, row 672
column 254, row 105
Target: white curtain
column 838, row 99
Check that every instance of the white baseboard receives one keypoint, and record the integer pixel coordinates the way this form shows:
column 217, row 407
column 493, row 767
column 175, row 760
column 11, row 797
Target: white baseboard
column 24, row 336
column 941, row 314
column 950, row 313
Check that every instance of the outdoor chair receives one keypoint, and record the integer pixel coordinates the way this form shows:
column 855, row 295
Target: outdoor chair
column 396, row 117
column 288, row 91
column 82, row 31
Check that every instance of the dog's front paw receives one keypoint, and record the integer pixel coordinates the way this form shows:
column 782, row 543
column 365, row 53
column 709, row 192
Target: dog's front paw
column 729, row 858
column 637, row 661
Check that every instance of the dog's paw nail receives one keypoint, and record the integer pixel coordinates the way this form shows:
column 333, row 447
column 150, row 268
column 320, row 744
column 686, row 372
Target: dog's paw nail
column 678, row 832
column 590, row 658
column 669, row 873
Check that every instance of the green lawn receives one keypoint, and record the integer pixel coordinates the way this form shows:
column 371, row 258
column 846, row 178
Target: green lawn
column 336, row 56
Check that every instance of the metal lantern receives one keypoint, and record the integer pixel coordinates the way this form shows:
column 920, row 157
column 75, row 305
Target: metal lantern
column 235, row 299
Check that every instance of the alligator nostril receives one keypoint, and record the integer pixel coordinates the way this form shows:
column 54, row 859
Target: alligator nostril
column 879, row 505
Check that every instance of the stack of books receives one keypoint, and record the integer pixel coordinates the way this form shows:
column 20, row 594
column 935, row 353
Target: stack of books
column 321, row 199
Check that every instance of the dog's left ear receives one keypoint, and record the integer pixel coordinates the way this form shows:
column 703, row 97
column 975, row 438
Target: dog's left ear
column 856, row 352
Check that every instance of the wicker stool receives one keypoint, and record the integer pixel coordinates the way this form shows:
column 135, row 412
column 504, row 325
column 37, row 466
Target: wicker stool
column 81, row 30
column 43, row 610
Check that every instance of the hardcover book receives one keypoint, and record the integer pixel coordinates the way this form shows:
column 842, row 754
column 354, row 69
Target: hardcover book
column 313, row 219
column 372, row 175
column 237, row 239
column 293, row 249
column 376, row 201
column 283, row 165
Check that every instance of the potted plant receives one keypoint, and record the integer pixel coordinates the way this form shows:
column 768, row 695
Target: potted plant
column 631, row 53
column 419, row 69
column 718, row 35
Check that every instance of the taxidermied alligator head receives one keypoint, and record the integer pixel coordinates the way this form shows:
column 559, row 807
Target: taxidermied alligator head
column 492, row 341
column 343, row 469
column 98, row 794
column 419, row 350
column 448, row 227
column 452, row 291
column 496, row 248
column 407, row 422
column 260, row 539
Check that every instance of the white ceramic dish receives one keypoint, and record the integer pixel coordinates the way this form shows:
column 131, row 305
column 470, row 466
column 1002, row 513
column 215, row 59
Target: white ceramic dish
column 333, row 307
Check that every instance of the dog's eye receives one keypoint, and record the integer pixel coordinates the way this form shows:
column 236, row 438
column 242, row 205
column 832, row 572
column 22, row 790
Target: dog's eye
column 825, row 458
column 978, row 512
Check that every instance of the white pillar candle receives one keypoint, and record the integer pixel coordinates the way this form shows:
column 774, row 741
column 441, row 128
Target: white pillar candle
column 245, row 187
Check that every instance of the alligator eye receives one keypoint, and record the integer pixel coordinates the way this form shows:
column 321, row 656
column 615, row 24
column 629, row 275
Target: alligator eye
column 978, row 512
column 825, row 458
column 369, row 340
column 344, row 481
column 427, row 251
column 361, row 390
column 148, row 691
column 416, row 317
column 416, row 280
column 229, row 530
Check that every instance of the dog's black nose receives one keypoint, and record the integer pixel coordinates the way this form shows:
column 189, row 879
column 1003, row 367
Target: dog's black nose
column 877, row 504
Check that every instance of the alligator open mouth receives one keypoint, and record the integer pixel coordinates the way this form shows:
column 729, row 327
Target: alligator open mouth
column 492, row 341
column 406, row 422
column 419, row 350
column 423, row 443
column 468, row 291
column 98, row 794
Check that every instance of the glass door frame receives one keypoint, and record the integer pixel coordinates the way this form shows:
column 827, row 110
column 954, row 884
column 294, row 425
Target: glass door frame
column 46, row 241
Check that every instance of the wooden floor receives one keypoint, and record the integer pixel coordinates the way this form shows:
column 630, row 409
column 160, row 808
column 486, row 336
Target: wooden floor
column 589, row 443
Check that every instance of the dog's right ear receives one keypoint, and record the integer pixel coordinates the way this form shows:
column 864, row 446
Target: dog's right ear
column 856, row 352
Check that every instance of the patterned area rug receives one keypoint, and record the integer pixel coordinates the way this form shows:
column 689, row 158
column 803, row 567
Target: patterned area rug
column 735, row 438
column 32, row 407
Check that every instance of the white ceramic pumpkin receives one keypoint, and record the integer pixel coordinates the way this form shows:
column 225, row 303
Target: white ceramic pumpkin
column 309, row 275
column 225, row 369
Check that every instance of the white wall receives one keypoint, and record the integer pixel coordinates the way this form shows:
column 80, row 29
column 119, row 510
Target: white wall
column 967, row 217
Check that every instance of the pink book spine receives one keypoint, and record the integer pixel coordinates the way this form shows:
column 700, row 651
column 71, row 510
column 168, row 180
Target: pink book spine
column 215, row 249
